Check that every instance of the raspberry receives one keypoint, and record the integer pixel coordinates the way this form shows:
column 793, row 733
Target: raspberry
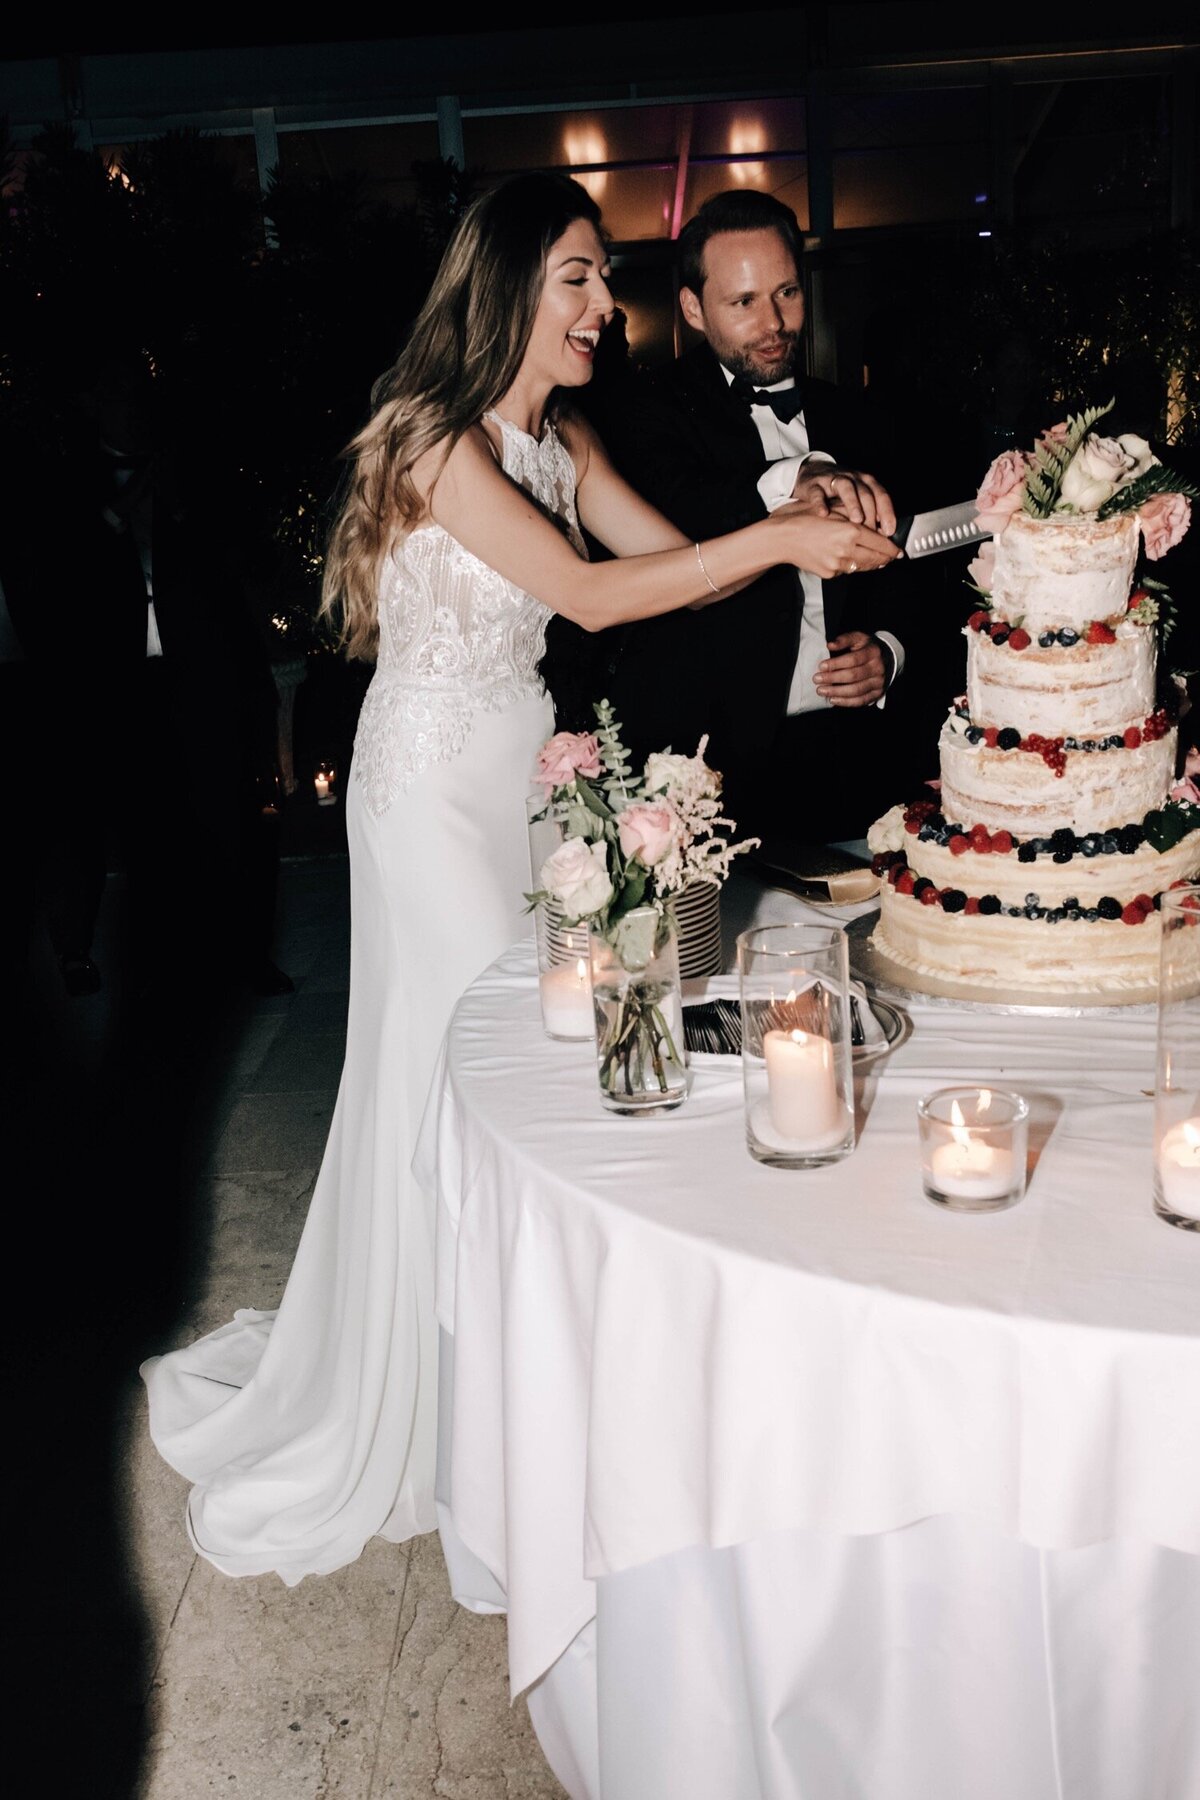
column 979, row 836
column 972, row 905
column 912, row 826
column 978, row 621
column 1132, row 914
column 1144, row 901
column 1133, row 737
column 906, row 881
column 1137, row 596
column 929, row 896
column 1019, row 639
column 990, row 735
column 1002, row 842
column 1099, row 633
column 959, row 845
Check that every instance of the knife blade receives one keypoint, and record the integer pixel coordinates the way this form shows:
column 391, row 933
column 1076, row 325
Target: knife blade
column 946, row 528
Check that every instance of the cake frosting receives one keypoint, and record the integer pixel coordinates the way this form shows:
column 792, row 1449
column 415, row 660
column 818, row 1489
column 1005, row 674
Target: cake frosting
column 1055, row 826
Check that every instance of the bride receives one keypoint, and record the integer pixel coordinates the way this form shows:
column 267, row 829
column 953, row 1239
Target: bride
column 309, row 1430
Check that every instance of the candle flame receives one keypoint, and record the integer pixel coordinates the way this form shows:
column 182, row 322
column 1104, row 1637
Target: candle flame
column 581, row 968
column 1191, row 1135
column 958, row 1125
column 799, row 1037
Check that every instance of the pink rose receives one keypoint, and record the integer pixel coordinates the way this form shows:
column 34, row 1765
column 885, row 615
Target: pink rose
column 1184, row 789
column 564, row 756
column 1057, row 434
column 1164, row 518
column 649, row 831
column 1002, row 490
column 983, row 568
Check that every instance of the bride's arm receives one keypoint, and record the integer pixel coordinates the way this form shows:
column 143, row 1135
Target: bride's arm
column 492, row 517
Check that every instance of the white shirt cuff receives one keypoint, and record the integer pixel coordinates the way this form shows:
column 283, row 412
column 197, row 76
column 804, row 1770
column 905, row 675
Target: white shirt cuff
column 777, row 483
column 897, row 650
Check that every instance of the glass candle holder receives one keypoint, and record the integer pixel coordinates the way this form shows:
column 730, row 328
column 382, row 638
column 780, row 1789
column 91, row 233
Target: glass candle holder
column 1177, row 1078
column 797, row 1070
column 563, row 955
column 324, row 783
column 974, row 1145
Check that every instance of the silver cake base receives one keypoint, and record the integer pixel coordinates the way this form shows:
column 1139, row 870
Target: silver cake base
column 895, row 980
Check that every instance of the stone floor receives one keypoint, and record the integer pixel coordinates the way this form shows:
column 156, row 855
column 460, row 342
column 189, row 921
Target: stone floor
column 363, row 1684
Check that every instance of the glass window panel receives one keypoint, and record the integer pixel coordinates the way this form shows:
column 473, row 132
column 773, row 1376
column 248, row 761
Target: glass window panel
column 910, row 158
column 384, row 154
column 783, row 176
column 565, row 140
column 946, row 117
column 724, row 128
column 1112, row 136
column 647, row 298
column 636, row 203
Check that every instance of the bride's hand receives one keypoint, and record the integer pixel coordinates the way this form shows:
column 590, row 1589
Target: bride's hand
column 830, row 546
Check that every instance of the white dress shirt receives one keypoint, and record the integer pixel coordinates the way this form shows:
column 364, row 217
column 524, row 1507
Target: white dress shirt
column 786, row 447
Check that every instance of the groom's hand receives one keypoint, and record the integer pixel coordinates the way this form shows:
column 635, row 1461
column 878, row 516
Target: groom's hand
column 855, row 674
column 854, row 494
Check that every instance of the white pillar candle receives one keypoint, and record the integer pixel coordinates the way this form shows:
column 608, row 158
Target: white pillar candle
column 323, row 781
column 567, row 1000
column 802, row 1094
column 1179, row 1168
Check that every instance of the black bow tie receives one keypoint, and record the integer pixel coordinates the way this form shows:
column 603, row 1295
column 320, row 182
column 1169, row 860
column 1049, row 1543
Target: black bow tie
column 785, row 404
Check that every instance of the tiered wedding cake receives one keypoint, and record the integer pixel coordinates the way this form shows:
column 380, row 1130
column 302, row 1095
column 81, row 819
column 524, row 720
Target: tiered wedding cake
column 1059, row 821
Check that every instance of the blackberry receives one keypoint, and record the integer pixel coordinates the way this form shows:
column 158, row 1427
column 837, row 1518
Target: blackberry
column 920, row 884
column 1026, row 853
column 1071, row 902
column 936, row 819
column 990, row 903
column 953, row 900
column 1063, row 856
column 1108, row 908
column 1008, row 739
column 1130, row 838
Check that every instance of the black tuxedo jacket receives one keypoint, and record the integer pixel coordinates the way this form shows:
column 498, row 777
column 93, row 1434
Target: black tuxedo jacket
column 685, row 442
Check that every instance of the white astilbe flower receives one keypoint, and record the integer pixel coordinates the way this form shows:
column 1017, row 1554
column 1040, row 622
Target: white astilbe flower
column 704, row 852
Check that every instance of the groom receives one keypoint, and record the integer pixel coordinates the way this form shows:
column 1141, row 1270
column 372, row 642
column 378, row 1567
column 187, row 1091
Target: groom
column 787, row 676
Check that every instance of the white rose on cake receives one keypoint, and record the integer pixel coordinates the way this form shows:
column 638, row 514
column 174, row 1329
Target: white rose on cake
column 576, row 875
column 1100, row 466
column 888, row 832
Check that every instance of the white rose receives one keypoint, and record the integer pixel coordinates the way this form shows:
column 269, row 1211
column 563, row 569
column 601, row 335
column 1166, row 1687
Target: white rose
column 1098, row 468
column 1143, row 456
column 577, row 877
column 683, row 778
column 887, row 833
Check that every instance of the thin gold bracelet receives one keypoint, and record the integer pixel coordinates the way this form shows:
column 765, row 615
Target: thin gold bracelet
column 712, row 584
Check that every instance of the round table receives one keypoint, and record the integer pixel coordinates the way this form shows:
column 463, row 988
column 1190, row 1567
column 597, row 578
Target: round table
column 793, row 1485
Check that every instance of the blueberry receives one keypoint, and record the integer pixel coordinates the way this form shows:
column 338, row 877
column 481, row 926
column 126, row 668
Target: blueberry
column 1008, row 739
column 1055, row 914
column 989, row 903
column 1108, row 843
column 1090, row 845
column 1108, row 908
column 927, row 834
column 1046, row 639
column 974, row 735
column 1026, row 853
column 1115, row 742
column 953, row 900
column 1034, row 912
column 1070, row 743
column 1070, row 901
column 1091, row 912
column 1067, row 636
column 1015, row 912
column 1072, row 912
column 936, row 819
column 1088, row 744
column 1157, row 902
column 1063, row 856
column 1033, row 899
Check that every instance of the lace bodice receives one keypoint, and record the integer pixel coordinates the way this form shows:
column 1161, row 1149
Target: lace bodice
column 455, row 637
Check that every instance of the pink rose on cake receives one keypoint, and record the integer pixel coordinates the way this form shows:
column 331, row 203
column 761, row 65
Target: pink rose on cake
column 564, row 756
column 1001, row 491
column 1164, row 518
column 649, row 831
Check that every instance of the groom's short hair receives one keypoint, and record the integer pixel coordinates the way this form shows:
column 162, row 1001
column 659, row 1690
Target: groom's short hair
column 738, row 209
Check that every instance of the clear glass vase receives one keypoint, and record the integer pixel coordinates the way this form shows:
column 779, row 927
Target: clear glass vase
column 641, row 1062
column 796, row 1063
column 1177, row 1083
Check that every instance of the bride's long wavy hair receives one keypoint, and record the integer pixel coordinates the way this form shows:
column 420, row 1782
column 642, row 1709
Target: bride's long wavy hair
column 462, row 355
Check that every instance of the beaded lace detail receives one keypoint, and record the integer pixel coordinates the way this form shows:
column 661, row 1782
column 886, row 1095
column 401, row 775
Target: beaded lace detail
column 455, row 638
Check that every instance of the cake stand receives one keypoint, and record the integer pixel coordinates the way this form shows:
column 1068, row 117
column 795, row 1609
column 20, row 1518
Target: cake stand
column 892, row 980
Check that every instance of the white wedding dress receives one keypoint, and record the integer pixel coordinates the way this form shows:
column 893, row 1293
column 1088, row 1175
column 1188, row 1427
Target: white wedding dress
column 309, row 1430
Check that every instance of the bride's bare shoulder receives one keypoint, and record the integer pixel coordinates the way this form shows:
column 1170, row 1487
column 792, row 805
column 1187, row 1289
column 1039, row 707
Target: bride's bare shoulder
column 452, row 461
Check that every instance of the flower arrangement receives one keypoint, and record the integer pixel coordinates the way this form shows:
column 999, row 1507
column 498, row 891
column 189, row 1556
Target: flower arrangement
column 1073, row 470
column 629, row 843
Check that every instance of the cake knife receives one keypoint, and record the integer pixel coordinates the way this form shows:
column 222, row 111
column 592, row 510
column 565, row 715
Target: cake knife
column 947, row 528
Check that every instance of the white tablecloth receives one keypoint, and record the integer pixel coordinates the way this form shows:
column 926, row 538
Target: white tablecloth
column 661, row 1348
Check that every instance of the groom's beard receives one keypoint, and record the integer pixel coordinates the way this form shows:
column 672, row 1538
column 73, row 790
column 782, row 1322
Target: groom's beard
column 765, row 372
